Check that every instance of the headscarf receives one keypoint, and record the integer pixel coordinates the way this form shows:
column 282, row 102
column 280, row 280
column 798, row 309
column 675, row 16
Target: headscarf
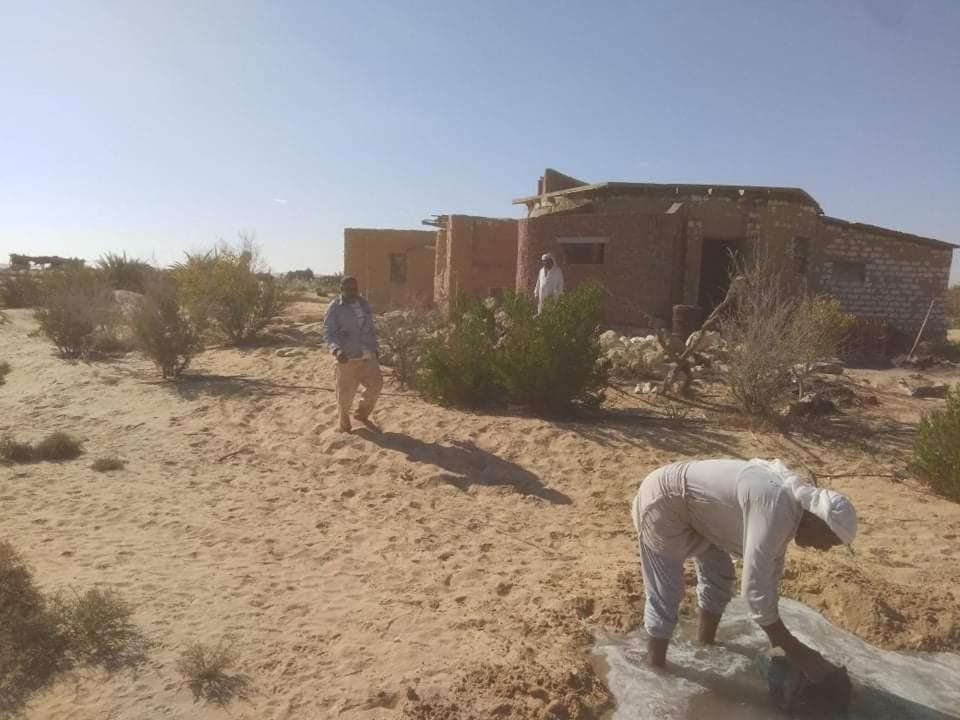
column 834, row 509
column 548, row 256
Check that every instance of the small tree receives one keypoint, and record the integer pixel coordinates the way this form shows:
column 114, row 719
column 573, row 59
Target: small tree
column 772, row 334
column 551, row 362
column 75, row 306
column 19, row 289
column 162, row 330
column 936, row 449
column 824, row 326
column 228, row 288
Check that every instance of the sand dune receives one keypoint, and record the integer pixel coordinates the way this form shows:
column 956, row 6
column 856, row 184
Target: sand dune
column 446, row 566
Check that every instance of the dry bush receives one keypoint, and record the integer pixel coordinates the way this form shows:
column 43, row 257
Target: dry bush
column 41, row 638
column 76, row 307
column 4, row 371
column 56, row 446
column 205, row 670
column 108, row 464
column 936, row 449
column 19, row 289
column 32, row 648
column 402, row 336
column 161, row 329
column 98, row 629
column 228, row 290
column 122, row 273
column 772, row 334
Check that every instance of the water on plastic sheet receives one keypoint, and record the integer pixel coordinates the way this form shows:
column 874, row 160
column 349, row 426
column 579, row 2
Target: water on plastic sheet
column 728, row 680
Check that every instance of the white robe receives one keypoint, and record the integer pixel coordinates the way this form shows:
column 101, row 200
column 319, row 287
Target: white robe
column 549, row 285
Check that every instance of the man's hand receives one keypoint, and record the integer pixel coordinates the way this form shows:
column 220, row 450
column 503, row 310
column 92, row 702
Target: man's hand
column 341, row 356
column 812, row 663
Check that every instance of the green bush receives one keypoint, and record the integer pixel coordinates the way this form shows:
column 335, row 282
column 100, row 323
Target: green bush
column 123, row 273
column 226, row 289
column 551, row 362
column 76, row 307
column 162, row 330
column 547, row 363
column 19, row 289
column 403, row 336
column 459, row 364
column 936, row 449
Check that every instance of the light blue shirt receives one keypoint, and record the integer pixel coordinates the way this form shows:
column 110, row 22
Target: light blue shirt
column 350, row 327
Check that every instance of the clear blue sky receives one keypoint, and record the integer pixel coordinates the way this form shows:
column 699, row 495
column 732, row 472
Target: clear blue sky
column 158, row 126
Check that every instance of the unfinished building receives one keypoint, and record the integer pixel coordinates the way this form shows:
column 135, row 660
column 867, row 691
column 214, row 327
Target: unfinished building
column 654, row 247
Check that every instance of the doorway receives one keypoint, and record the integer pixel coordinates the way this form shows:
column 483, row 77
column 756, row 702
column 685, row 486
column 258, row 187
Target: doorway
column 716, row 262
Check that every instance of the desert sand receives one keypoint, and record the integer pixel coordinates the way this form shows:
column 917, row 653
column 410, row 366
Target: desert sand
column 448, row 565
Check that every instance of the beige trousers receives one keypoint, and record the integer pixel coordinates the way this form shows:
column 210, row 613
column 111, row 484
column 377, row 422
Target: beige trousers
column 351, row 375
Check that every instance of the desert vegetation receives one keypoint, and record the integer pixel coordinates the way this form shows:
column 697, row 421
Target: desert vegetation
column 53, row 448
column 207, row 671
column 108, row 464
column 42, row 637
column 936, row 450
column 953, row 306
column 227, row 291
column 493, row 354
column 774, row 337
column 162, row 329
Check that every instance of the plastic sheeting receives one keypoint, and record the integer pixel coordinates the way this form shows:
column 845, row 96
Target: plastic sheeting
column 728, row 680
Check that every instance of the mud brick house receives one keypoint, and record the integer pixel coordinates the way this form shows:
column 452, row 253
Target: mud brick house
column 394, row 267
column 654, row 247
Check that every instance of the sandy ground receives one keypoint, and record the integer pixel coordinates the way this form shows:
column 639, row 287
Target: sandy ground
column 451, row 565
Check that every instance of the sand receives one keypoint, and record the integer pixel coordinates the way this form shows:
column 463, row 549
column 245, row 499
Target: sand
column 449, row 565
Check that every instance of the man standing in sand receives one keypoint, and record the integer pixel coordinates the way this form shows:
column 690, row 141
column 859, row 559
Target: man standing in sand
column 712, row 509
column 349, row 332
column 549, row 281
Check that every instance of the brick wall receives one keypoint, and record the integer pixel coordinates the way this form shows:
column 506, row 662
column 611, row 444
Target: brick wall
column 366, row 256
column 899, row 276
column 641, row 258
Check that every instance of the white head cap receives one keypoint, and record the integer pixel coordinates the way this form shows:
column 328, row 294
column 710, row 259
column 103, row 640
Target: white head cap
column 548, row 256
column 834, row 509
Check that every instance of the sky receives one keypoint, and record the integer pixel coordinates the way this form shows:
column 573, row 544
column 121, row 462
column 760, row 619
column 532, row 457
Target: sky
column 160, row 126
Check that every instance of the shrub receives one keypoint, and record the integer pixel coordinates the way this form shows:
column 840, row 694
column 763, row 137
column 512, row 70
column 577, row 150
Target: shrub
column 19, row 289
column 403, row 336
column 58, row 446
column 459, row 364
column 4, row 371
column 205, row 670
column 936, row 449
column 54, row 447
column 41, row 638
column 821, row 327
column 552, row 361
column 98, row 629
column 227, row 288
column 75, row 307
column 162, row 330
column 123, row 273
column 772, row 335
column 32, row 648
column 547, row 363
column 108, row 464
